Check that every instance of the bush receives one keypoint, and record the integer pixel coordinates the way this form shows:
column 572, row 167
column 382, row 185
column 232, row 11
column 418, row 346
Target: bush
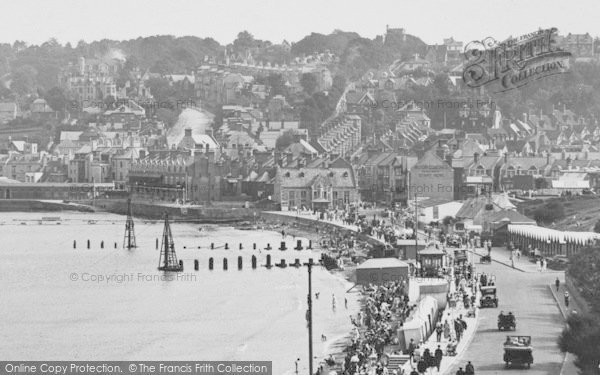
column 549, row 213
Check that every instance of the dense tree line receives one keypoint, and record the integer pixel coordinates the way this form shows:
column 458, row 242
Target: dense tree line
column 581, row 336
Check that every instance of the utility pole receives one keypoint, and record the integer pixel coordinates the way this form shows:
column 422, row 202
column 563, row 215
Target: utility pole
column 417, row 230
column 310, row 264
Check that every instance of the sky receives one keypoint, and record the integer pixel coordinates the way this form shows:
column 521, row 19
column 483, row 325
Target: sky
column 36, row 21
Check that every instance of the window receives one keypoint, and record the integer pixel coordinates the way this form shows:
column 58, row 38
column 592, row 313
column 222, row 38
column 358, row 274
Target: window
column 510, row 171
column 346, row 197
column 301, row 174
column 315, row 194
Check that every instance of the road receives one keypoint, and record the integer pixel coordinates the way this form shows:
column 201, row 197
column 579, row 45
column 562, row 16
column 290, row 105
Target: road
column 528, row 296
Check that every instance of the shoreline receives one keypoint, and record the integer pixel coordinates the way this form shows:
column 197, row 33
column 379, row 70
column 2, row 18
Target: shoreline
column 336, row 346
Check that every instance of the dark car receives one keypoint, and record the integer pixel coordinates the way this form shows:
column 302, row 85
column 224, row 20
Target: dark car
column 507, row 322
column 488, row 297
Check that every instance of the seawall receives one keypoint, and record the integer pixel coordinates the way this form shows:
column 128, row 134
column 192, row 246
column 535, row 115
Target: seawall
column 30, row 205
column 310, row 225
column 197, row 214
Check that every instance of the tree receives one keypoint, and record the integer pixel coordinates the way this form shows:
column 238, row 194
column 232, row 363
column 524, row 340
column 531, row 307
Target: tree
column 309, row 83
column 244, row 42
column 56, row 99
column 284, row 140
column 597, row 227
column 168, row 116
column 23, row 79
column 109, row 101
column 276, row 85
column 581, row 336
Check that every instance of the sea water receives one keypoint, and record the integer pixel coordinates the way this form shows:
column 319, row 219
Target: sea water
column 61, row 303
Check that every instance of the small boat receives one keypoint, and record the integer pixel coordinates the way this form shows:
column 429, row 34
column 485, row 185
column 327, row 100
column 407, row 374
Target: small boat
column 91, row 221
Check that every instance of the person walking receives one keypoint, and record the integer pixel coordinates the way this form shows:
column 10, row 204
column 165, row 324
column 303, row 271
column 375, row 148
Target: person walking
column 446, row 330
column 460, row 371
column 421, row 366
column 438, row 355
column 438, row 331
column 557, row 283
column 411, row 348
column 469, row 369
column 567, row 298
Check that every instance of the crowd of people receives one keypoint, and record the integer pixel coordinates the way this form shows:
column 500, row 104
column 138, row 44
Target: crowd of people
column 386, row 308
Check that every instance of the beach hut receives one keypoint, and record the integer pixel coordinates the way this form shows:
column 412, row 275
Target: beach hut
column 380, row 270
column 420, row 324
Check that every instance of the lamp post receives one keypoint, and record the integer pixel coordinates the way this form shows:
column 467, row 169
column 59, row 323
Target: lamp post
column 309, row 265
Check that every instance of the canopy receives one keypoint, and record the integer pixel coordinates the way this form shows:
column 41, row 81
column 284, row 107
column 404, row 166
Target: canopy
column 547, row 234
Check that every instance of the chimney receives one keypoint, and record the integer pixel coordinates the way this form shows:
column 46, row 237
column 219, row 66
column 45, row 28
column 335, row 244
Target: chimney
column 524, row 117
column 506, row 157
column 547, row 158
column 142, row 154
column 476, row 157
column 289, row 158
column 188, row 132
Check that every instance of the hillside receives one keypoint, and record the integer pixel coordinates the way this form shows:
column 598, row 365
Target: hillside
column 580, row 212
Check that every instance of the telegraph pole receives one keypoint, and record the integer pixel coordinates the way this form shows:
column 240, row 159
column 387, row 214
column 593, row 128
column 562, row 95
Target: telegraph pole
column 417, row 230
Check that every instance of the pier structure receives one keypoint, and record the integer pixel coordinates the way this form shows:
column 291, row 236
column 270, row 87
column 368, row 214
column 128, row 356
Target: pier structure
column 129, row 238
column 168, row 257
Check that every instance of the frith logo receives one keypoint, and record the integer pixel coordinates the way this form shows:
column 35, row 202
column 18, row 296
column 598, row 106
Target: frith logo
column 515, row 62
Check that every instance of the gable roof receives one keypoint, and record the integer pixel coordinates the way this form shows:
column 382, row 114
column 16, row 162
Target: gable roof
column 307, row 177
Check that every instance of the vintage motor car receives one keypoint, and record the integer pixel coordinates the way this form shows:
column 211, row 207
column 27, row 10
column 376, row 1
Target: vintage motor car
column 488, row 297
column 507, row 322
column 486, row 259
column 518, row 351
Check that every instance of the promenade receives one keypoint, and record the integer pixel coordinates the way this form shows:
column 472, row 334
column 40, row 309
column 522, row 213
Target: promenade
column 449, row 314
